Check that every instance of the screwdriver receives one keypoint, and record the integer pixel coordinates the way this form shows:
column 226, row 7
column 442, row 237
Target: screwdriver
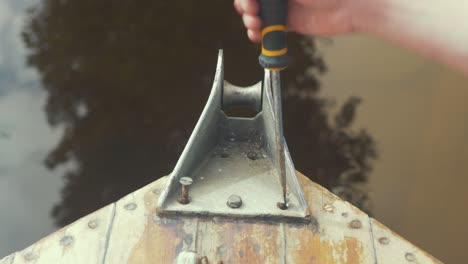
column 274, row 55
column 274, row 58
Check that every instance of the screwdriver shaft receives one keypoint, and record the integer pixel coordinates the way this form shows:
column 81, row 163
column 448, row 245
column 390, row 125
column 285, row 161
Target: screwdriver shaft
column 279, row 136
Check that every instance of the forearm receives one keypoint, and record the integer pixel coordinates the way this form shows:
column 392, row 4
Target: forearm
column 435, row 28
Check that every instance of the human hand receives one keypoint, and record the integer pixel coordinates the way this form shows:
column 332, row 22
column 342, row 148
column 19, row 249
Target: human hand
column 311, row 17
column 433, row 28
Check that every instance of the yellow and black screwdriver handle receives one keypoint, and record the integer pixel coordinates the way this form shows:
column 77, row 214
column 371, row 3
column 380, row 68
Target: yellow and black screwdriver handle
column 274, row 54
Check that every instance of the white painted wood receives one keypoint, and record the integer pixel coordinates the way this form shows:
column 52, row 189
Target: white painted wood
column 83, row 241
column 129, row 231
column 8, row 259
column 188, row 257
column 391, row 248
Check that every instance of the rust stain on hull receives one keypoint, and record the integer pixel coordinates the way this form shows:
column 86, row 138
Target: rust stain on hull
column 160, row 239
column 237, row 241
column 305, row 247
column 331, row 236
column 354, row 250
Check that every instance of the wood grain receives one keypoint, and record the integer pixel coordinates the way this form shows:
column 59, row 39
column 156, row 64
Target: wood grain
column 130, row 231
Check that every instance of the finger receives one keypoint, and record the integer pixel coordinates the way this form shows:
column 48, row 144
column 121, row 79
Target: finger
column 249, row 6
column 252, row 22
column 238, row 6
column 318, row 4
column 254, row 35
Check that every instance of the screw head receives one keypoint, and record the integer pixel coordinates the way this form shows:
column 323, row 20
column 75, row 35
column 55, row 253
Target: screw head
column 384, row 240
column 355, row 224
column 410, row 257
column 234, row 201
column 130, row 206
column 186, row 181
column 328, row 208
column 92, row 224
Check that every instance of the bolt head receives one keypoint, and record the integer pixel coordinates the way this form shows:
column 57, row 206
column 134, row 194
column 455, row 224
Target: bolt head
column 186, row 181
column 234, row 201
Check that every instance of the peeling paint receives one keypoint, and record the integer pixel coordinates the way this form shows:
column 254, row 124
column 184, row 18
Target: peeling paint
column 160, row 239
column 238, row 241
column 329, row 238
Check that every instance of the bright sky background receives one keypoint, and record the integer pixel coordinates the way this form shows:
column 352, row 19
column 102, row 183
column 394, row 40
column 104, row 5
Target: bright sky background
column 27, row 189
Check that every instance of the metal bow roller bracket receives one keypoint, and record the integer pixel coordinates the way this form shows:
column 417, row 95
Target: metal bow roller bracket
column 229, row 166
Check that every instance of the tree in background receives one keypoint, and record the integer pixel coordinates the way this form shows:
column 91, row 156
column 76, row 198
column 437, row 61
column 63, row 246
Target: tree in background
column 128, row 80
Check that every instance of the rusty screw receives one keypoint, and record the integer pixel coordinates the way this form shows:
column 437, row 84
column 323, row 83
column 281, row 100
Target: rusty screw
column 185, row 182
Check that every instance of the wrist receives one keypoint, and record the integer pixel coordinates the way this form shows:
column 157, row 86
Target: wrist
column 433, row 28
